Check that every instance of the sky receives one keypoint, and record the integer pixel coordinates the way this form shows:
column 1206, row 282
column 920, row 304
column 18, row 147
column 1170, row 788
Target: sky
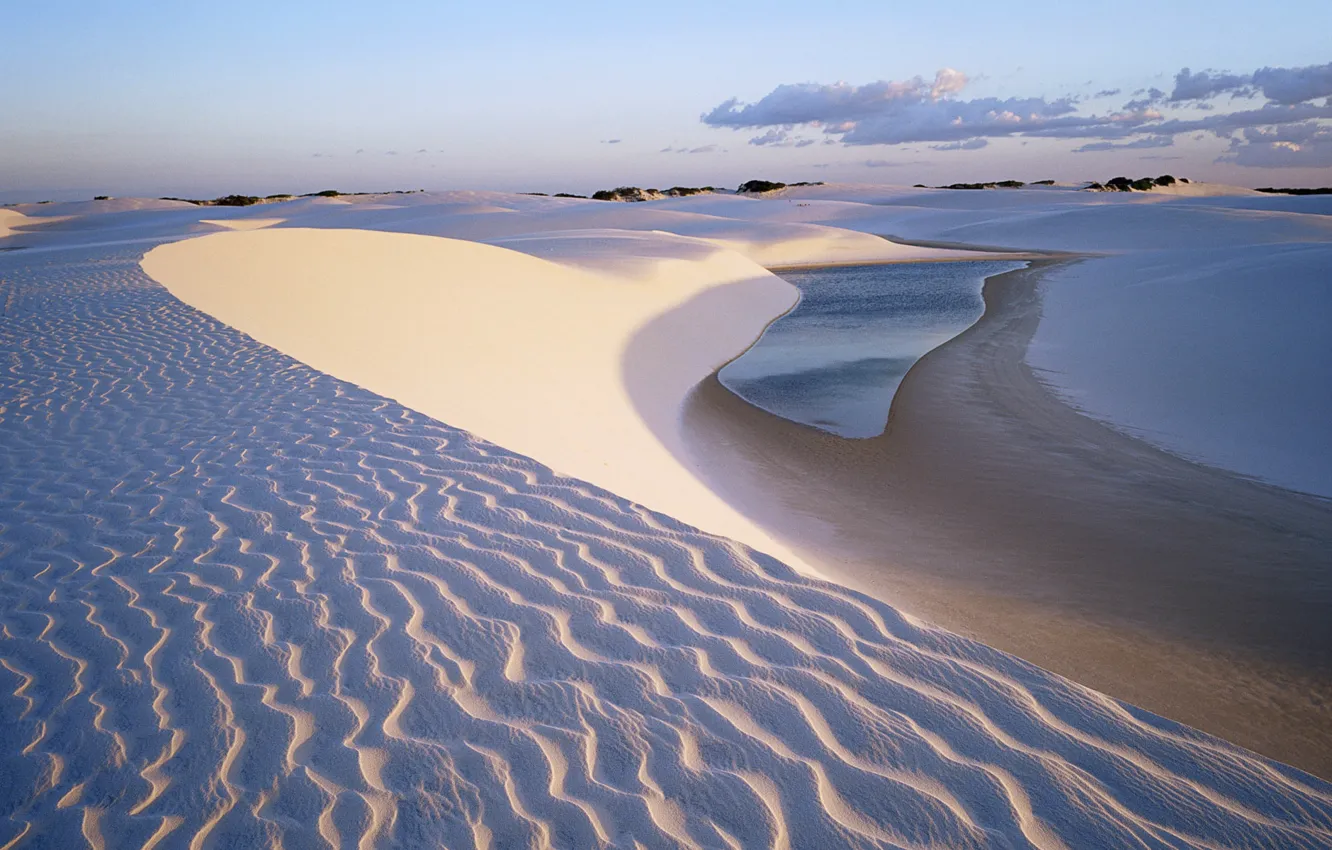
column 202, row 99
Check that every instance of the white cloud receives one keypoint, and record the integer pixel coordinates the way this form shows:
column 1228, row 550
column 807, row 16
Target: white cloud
column 947, row 81
column 1307, row 145
column 1295, row 85
column 1279, row 85
column 1146, row 142
column 932, row 111
column 772, row 137
column 1205, row 84
column 965, row 145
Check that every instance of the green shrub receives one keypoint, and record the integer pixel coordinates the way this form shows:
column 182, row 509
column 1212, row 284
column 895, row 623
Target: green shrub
column 102, row 198
column 1164, row 180
column 758, row 186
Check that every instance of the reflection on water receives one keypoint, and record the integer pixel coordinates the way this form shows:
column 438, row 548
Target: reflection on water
column 836, row 360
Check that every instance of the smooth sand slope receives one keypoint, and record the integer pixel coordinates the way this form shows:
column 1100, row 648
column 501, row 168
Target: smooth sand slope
column 248, row 604
column 8, row 220
column 521, row 349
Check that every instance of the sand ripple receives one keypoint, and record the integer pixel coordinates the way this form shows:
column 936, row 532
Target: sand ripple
column 243, row 603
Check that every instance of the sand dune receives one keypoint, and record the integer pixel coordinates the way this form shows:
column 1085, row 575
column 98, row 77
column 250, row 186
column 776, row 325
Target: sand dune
column 249, row 604
column 10, row 219
column 546, row 345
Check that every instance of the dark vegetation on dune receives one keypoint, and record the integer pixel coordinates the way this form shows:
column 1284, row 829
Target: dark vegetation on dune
column 626, row 193
column 1322, row 190
column 756, row 187
column 251, row 200
column 994, row 184
column 634, row 193
column 1142, row 184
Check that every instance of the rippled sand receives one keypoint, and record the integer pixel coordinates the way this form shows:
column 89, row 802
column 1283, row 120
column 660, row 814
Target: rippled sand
column 243, row 603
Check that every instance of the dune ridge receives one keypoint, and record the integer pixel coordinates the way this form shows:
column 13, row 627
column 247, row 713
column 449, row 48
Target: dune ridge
column 543, row 341
column 247, row 603
column 9, row 219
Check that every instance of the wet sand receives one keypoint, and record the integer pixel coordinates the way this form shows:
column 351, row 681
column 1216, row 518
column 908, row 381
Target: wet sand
column 993, row 509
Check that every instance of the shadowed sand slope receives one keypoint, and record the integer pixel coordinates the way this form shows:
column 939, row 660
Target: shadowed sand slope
column 243, row 603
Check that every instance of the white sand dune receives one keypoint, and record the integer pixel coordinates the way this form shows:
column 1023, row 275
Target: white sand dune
column 10, row 219
column 552, row 370
column 249, row 604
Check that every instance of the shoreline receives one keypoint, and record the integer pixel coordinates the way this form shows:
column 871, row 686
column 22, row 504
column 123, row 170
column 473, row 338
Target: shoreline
column 988, row 254
column 993, row 509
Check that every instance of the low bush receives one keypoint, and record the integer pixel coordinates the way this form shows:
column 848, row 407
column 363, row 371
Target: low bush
column 236, row 201
column 627, row 193
column 1323, row 190
column 759, row 186
column 993, row 184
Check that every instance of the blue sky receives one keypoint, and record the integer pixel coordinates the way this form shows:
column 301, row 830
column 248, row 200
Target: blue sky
column 199, row 99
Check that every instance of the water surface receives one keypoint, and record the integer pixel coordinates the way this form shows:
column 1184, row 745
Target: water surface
column 836, row 360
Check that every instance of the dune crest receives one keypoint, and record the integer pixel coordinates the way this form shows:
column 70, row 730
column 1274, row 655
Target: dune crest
column 543, row 342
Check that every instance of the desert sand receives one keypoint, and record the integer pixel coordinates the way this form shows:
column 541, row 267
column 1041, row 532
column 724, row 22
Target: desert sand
column 250, row 600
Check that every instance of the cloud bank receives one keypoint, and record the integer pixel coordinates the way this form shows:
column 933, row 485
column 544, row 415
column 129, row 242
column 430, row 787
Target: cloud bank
column 1278, row 122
